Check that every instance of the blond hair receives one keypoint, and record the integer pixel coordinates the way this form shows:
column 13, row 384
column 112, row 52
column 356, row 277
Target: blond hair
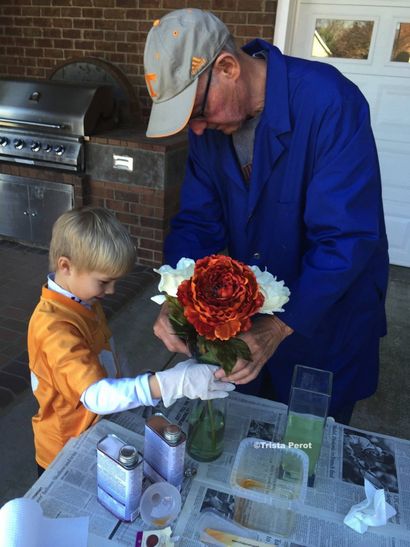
column 94, row 240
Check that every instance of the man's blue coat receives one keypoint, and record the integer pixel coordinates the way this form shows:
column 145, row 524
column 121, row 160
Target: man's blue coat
column 312, row 215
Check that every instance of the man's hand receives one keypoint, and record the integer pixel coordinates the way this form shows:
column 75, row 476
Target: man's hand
column 164, row 331
column 263, row 338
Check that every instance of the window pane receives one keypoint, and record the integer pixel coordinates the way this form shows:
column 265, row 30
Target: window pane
column 401, row 47
column 342, row 38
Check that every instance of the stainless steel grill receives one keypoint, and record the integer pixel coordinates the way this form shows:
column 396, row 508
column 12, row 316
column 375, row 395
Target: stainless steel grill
column 44, row 123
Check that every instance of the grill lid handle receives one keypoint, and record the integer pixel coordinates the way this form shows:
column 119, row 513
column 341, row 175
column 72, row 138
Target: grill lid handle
column 35, row 124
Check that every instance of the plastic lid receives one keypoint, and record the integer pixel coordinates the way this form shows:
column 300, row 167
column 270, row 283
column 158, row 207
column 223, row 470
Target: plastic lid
column 160, row 504
column 128, row 455
column 280, row 476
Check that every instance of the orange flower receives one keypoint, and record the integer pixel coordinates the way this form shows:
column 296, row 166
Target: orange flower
column 220, row 297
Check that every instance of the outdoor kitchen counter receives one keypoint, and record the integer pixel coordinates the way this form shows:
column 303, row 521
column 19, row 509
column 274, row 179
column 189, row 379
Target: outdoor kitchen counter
column 127, row 156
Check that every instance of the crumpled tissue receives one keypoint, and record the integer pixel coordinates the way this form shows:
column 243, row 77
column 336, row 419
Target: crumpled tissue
column 373, row 511
column 22, row 524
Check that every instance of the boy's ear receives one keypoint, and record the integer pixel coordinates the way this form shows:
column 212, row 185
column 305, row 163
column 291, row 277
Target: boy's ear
column 64, row 265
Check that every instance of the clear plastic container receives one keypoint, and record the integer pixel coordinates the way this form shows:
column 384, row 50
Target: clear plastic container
column 160, row 504
column 269, row 481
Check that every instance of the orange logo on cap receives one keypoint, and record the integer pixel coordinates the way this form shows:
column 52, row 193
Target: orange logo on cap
column 196, row 64
column 149, row 79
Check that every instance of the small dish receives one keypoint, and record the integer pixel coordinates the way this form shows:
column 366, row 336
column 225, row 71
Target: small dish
column 160, row 504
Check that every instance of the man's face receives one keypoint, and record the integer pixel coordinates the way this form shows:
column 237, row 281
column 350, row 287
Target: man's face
column 223, row 109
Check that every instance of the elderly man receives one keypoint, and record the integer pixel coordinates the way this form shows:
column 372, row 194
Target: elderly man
column 283, row 173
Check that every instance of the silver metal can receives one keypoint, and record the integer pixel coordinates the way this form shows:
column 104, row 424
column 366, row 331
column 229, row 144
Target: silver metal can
column 119, row 477
column 164, row 450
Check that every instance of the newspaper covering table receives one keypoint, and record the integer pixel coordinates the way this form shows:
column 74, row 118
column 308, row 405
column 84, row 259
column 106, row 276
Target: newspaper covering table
column 348, row 455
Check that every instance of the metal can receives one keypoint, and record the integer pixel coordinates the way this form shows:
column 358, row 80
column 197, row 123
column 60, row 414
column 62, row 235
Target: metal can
column 119, row 477
column 164, row 450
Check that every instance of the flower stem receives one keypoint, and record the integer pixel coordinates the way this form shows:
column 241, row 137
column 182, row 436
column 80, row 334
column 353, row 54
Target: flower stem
column 212, row 422
column 198, row 424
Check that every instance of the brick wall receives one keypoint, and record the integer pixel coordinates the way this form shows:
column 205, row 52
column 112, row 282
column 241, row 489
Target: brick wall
column 141, row 210
column 36, row 35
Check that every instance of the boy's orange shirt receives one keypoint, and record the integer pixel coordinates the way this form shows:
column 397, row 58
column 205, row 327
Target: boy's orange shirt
column 64, row 341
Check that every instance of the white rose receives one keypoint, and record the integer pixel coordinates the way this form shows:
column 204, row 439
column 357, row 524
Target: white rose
column 171, row 278
column 275, row 292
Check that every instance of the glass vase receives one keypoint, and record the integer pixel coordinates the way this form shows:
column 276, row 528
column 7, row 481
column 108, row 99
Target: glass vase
column 206, row 429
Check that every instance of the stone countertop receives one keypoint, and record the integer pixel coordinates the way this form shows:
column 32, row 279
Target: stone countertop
column 134, row 137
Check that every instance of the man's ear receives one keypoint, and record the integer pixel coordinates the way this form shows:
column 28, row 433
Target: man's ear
column 227, row 65
column 64, row 265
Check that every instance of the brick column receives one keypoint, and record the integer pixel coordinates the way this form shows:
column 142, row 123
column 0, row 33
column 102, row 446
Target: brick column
column 145, row 198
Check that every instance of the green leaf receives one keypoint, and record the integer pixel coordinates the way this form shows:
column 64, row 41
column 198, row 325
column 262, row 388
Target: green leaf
column 176, row 311
column 179, row 322
column 178, row 328
column 223, row 352
column 174, row 306
column 241, row 348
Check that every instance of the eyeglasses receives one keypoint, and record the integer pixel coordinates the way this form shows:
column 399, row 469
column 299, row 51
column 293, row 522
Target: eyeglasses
column 201, row 113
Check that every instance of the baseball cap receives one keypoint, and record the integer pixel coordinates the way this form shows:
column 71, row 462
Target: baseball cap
column 179, row 48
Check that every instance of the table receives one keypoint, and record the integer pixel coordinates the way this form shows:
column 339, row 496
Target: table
column 68, row 487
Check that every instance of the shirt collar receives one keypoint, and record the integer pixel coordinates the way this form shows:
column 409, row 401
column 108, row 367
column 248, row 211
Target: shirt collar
column 52, row 285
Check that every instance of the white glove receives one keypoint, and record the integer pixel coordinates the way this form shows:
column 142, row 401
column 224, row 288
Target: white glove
column 192, row 380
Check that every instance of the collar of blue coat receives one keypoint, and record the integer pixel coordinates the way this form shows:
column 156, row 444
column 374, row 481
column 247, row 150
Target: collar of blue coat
column 276, row 108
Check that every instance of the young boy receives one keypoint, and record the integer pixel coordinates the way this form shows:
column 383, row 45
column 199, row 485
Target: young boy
column 74, row 374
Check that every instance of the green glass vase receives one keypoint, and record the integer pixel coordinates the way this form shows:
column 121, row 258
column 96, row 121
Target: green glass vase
column 206, row 429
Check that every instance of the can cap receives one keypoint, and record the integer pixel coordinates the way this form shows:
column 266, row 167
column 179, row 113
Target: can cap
column 172, row 433
column 128, row 455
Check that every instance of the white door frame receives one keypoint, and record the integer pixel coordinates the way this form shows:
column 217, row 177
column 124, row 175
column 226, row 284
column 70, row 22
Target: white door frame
column 284, row 24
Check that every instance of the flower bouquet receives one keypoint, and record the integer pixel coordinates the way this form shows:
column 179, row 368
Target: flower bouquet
column 210, row 302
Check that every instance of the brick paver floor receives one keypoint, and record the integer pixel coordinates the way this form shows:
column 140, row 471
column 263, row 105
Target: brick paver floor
column 23, row 270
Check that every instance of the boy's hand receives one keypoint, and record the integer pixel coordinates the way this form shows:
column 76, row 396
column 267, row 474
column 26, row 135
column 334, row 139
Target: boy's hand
column 192, row 380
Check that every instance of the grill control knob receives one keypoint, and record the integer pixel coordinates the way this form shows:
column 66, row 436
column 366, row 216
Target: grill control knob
column 4, row 141
column 35, row 146
column 18, row 143
column 59, row 150
column 47, row 148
